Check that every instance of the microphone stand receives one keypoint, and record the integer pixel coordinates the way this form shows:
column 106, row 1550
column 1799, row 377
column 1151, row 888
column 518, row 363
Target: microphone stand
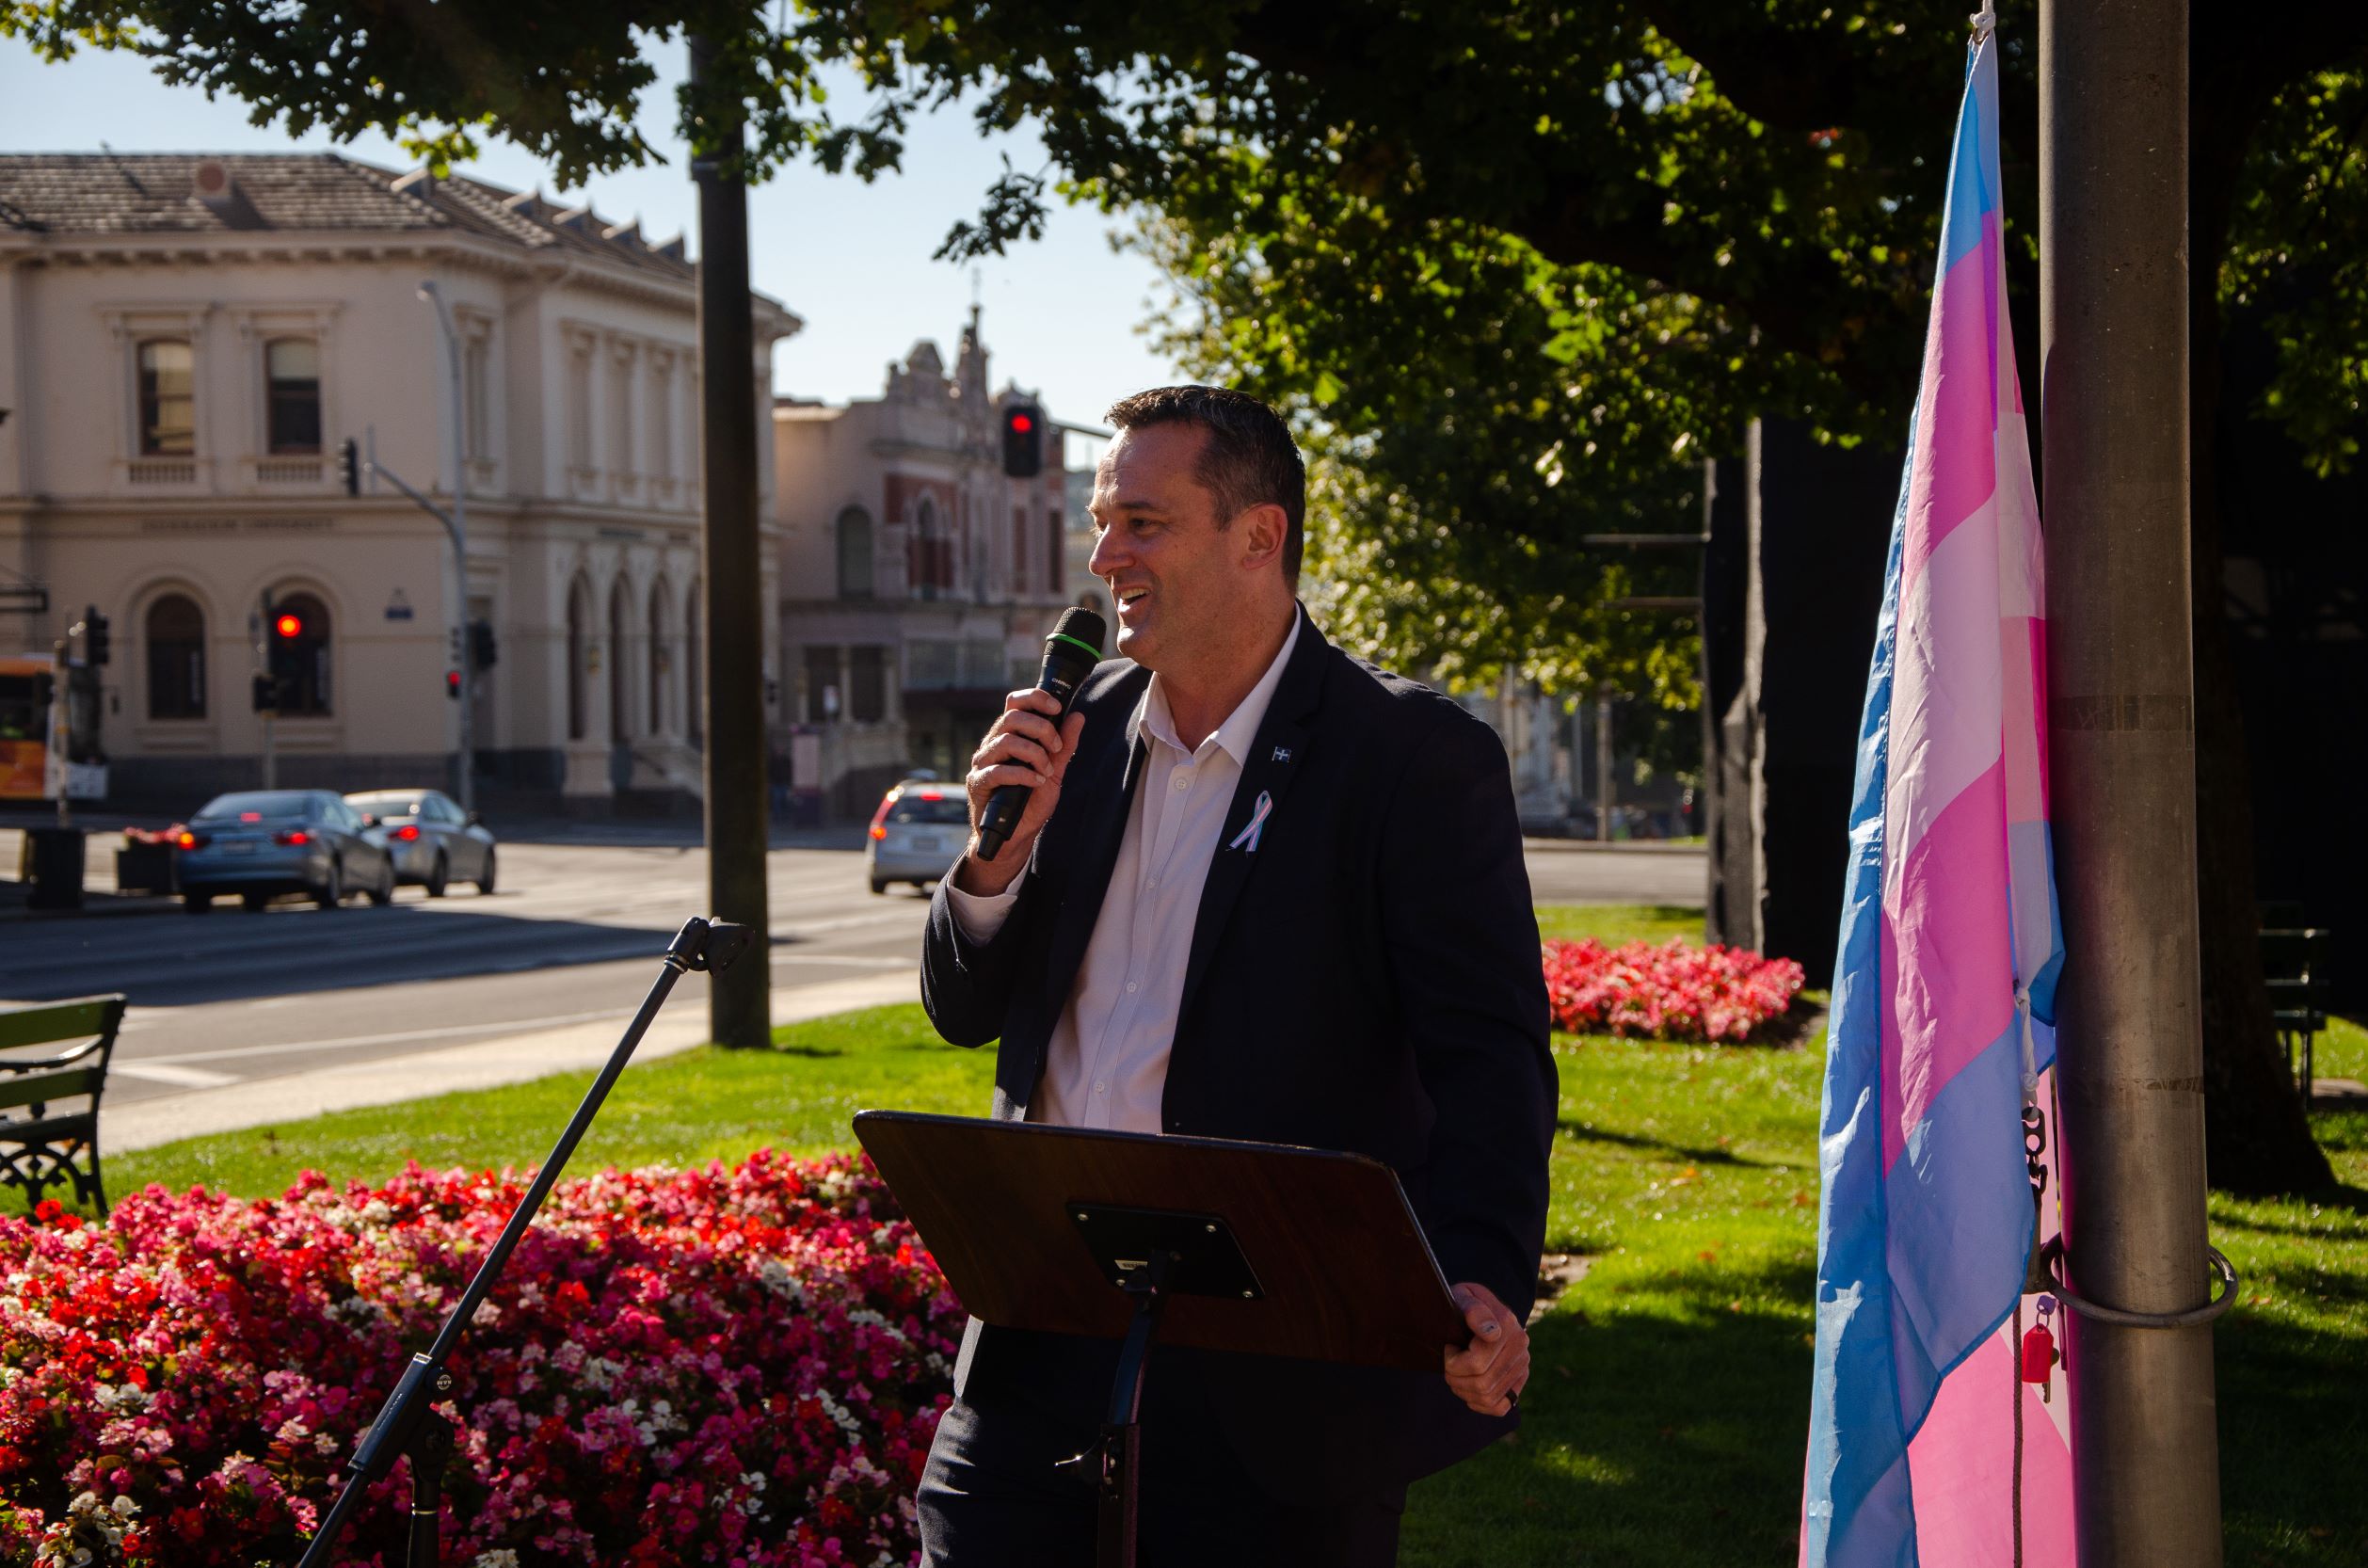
column 405, row 1425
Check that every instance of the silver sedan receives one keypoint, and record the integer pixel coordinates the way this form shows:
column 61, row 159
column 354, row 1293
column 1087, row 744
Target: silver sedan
column 259, row 843
column 434, row 842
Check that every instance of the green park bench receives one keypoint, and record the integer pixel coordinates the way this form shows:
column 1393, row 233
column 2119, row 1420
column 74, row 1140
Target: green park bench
column 38, row 1147
column 2298, row 962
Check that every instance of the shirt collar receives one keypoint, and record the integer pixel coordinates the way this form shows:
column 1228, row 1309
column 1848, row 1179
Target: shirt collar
column 1241, row 726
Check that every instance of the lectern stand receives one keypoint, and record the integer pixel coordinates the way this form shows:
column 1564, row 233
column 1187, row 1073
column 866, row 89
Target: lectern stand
column 1254, row 1248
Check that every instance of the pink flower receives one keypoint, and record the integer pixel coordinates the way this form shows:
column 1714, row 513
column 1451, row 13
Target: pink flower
column 746, row 1363
column 1669, row 992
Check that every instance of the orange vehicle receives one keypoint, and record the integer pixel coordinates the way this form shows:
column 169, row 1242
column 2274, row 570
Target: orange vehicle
column 25, row 692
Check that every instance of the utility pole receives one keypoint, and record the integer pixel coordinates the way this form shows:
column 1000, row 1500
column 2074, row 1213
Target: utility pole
column 740, row 998
column 457, row 524
column 2113, row 334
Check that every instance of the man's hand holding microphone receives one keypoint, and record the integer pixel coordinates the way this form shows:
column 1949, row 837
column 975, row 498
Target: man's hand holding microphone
column 1015, row 777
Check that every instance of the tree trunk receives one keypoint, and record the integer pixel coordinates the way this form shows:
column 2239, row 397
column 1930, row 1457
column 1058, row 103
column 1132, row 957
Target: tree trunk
column 2257, row 1136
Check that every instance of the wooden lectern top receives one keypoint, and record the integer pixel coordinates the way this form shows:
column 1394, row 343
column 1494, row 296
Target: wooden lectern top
column 1339, row 1269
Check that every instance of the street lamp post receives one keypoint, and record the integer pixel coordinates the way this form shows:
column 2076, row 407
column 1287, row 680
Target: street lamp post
column 457, row 526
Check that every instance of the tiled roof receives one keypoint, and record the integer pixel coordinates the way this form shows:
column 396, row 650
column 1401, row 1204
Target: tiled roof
column 312, row 193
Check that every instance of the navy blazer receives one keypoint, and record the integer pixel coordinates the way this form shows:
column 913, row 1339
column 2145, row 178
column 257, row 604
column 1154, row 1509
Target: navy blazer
column 1366, row 978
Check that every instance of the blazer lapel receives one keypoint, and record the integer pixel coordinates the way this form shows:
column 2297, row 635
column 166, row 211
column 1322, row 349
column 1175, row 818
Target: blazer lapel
column 1108, row 795
column 1267, row 774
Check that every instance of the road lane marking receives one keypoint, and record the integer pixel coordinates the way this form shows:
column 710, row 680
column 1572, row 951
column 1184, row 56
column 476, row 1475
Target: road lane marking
column 448, row 1032
column 185, row 1078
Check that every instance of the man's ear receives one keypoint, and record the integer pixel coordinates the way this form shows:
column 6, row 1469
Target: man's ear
column 1264, row 528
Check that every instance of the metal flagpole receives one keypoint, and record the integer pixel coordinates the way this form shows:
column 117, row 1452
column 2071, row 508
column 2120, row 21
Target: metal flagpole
column 2113, row 328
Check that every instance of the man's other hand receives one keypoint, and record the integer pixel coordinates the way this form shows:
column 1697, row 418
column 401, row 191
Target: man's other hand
column 1022, row 747
column 1489, row 1371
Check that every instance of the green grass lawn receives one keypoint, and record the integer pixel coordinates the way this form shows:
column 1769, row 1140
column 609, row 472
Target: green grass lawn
column 1664, row 1424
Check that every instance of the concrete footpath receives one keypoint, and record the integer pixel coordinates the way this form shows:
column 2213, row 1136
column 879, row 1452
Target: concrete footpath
column 579, row 1047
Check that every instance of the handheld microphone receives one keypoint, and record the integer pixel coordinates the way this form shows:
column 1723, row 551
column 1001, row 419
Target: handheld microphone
column 1069, row 656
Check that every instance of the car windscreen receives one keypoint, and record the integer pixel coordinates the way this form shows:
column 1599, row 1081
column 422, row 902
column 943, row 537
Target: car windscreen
column 258, row 804
column 386, row 806
column 934, row 808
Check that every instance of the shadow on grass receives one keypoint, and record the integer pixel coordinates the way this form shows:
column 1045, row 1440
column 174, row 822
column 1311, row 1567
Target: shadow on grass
column 2293, row 1426
column 2352, row 1200
column 1663, row 1428
column 1587, row 1132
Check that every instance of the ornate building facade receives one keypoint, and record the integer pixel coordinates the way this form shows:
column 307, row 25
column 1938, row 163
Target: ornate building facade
column 918, row 579
column 185, row 340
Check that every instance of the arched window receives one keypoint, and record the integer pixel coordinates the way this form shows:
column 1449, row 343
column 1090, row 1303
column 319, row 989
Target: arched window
column 855, row 554
column 292, row 378
column 658, row 622
column 579, row 635
column 175, row 634
column 169, row 399
column 694, row 656
column 300, row 653
column 620, row 690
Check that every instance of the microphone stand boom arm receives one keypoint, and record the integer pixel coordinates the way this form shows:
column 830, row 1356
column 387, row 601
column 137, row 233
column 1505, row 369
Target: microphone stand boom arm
column 405, row 1425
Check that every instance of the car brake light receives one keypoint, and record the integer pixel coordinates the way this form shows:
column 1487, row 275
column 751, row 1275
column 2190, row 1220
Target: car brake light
column 932, row 794
column 190, row 840
column 251, row 816
column 408, row 832
column 879, row 818
column 292, row 836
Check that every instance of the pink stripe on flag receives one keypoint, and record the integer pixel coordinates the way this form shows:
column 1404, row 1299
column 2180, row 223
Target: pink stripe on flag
column 1955, row 468
column 1963, row 1464
column 1947, row 956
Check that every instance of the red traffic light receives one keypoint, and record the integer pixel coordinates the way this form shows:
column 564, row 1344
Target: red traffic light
column 451, row 684
column 1022, row 424
column 289, row 626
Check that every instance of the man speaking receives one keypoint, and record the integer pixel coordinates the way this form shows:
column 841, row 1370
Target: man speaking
column 1260, row 890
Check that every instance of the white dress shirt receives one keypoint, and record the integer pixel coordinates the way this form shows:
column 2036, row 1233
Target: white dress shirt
column 1108, row 1060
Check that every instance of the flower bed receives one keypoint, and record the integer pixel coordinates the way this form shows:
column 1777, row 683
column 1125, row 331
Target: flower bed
column 740, row 1366
column 1670, row 992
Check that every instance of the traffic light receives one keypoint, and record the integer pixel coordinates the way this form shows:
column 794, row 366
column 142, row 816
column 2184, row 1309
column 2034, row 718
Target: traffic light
column 1023, row 440
column 451, row 684
column 95, row 636
column 349, row 466
column 287, row 658
column 481, row 646
column 266, row 694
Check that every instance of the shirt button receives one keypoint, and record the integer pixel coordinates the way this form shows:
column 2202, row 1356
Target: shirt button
column 1131, row 985
column 1183, row 780
column 1101, row 1088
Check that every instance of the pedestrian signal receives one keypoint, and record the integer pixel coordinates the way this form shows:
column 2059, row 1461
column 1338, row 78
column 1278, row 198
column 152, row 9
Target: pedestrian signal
column 95, row 638
column 349, row 466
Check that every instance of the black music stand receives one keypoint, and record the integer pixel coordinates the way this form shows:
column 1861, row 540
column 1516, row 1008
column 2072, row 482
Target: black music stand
column 1254, row 1248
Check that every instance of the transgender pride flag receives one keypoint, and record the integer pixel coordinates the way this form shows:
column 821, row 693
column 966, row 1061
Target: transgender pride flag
column 1926, row 1449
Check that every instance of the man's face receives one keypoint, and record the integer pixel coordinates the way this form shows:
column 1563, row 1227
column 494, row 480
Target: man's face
column 1160, row 544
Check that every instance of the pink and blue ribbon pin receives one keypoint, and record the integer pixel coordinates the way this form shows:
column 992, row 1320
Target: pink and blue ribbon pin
column 1256, row 827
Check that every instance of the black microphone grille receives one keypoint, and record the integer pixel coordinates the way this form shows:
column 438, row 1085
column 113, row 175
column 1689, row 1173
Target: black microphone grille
column 1080, row 625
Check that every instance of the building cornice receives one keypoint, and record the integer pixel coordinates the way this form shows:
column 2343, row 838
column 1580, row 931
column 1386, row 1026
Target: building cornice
column 238, row 248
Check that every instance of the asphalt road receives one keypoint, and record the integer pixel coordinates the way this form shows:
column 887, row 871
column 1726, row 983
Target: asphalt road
column 573, row 934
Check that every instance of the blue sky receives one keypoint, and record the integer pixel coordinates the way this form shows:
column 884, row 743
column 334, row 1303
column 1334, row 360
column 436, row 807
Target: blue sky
column 1060, row 315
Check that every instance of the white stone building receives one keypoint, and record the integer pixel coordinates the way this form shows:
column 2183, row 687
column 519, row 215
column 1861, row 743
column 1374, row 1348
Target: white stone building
column 917, row 580
column 185, row 339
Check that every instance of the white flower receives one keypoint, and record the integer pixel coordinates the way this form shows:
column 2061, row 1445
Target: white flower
column 500, row 1556
column 376, row 1212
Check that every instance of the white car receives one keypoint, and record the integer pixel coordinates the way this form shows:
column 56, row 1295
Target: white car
column 919, row 832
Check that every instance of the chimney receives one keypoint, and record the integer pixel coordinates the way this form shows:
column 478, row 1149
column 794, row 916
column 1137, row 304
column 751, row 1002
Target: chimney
column 209, row 183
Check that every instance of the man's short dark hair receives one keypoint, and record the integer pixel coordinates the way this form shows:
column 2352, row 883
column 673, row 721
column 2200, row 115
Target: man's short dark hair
column 1248, row 461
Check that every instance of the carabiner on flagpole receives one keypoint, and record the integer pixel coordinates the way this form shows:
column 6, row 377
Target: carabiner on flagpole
column 1984, row 22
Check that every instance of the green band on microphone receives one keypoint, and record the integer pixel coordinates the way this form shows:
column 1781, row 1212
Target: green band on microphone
column 1065, row 637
